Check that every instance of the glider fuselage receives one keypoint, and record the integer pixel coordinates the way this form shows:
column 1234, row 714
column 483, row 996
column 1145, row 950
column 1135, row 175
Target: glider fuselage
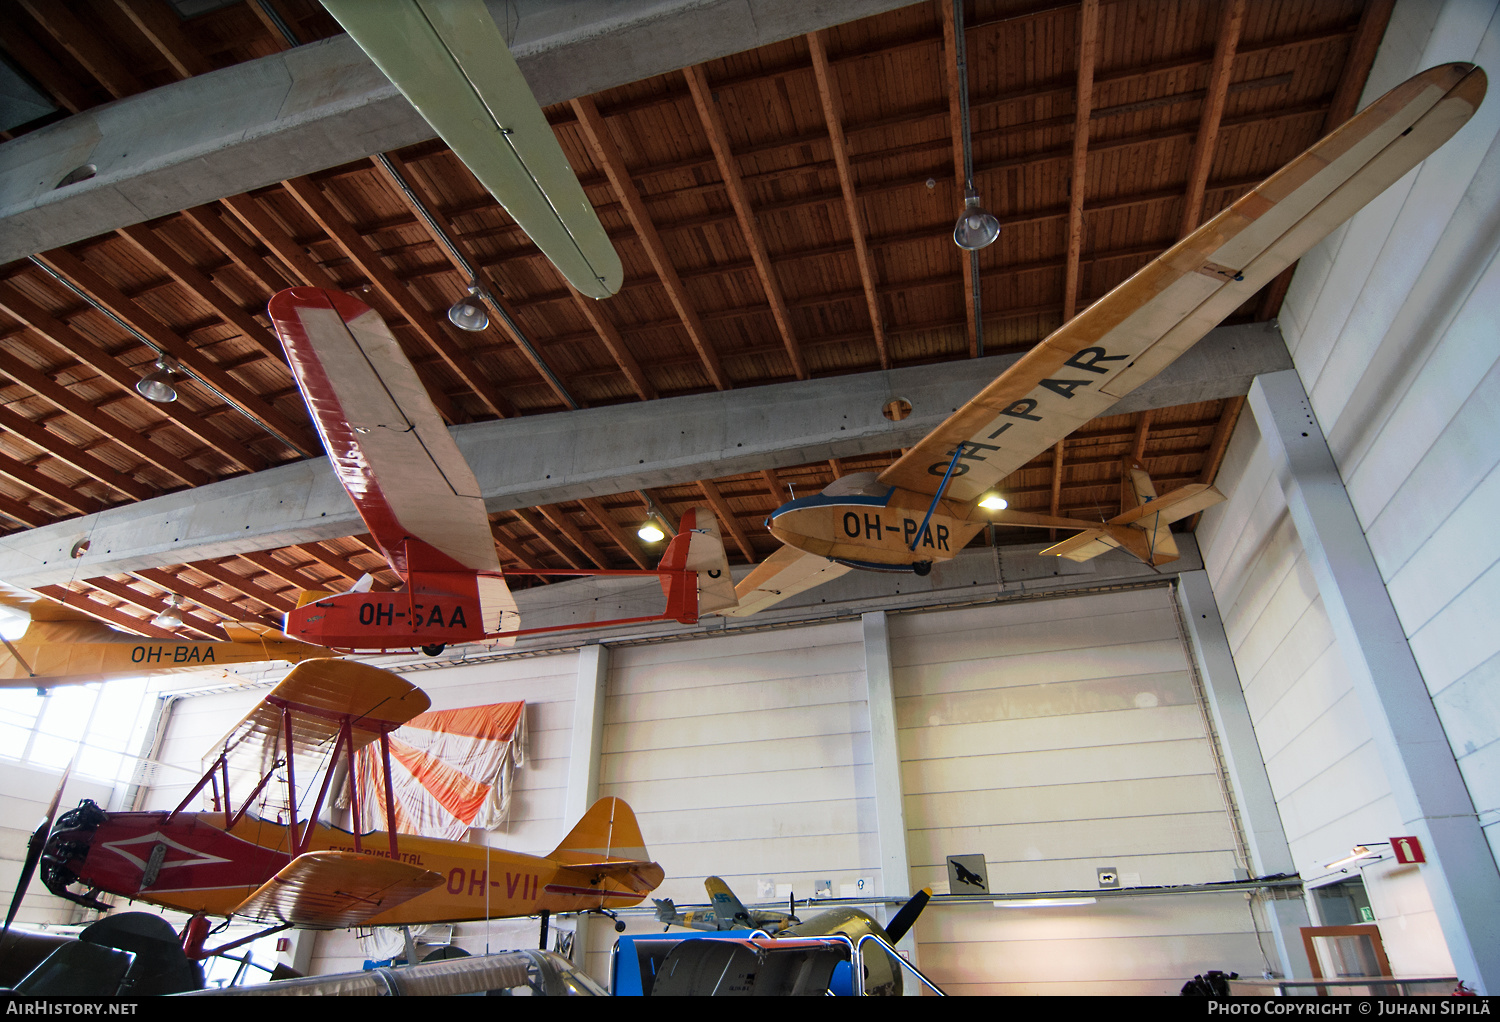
column 875, row 532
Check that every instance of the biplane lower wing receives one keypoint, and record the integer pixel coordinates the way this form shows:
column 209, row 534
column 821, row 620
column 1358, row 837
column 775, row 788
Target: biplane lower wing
column 333, row 890
column 784, row 574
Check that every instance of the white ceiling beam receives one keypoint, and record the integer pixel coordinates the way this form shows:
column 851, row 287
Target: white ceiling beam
column 594, row 452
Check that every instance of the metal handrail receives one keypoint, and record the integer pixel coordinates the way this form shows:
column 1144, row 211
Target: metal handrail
column 1401, row 983
column 897, row 956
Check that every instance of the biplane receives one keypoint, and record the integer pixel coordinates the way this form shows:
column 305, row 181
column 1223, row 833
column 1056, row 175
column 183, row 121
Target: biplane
column 64, row 646
column 421, row 502
column 279, row 868
column 927, row 506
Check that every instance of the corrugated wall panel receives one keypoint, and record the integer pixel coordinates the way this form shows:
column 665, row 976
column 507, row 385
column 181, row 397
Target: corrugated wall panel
column 1054, row 738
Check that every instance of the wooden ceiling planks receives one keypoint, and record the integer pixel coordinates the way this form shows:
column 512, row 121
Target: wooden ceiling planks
column 792, row 219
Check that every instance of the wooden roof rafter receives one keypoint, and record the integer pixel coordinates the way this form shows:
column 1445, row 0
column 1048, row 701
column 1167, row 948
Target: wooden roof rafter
column 425, row 323
column 607, row 154
column 196, row 594
column 155, row 605
column 307, row 271
column 448, row 245
column 1231, row 20
column 833, row 115
column 1088, row 43
column 96, row 358
column 739, row 198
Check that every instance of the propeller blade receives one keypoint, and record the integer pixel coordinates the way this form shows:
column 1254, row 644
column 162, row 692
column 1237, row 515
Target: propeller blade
column 34, row 846
column 902, row 921
column 791, row 908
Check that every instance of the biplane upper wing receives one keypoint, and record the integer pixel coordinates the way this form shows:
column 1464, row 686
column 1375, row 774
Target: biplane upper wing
column 448, row 58
column 385, row 440
column 332, row 890
column 317, row 694
column 1135, row 331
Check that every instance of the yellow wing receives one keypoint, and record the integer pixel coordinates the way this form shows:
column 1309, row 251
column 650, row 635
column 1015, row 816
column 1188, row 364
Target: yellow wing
column 334, row 890
column 1131, row 334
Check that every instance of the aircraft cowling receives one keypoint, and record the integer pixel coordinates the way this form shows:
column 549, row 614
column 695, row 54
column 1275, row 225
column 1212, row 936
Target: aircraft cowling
column 187, row 863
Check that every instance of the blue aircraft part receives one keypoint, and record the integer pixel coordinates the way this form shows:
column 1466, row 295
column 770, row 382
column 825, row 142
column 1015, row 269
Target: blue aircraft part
column 819, row 500
column 901, row 569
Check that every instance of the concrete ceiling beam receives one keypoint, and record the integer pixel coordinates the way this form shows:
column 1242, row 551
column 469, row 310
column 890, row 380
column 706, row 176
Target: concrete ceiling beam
column 325, row 104
column 595, row 452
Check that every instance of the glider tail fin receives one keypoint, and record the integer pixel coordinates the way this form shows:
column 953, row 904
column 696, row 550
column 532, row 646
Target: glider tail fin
column 697, row 548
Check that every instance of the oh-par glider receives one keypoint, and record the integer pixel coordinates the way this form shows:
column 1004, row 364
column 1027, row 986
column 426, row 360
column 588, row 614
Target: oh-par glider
column 253, row 855
column 64, row 646
column 448, row 58
column 926, row 506
column 421, row 502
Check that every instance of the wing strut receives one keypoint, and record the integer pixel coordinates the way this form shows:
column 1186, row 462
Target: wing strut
column 958, row 453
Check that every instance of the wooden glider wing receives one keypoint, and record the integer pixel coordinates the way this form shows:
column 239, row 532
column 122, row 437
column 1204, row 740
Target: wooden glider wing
column 1135, row 331
column 333, row 890
column 784, row 574
column 388, row 446
column 315, row 695
column 448, row 58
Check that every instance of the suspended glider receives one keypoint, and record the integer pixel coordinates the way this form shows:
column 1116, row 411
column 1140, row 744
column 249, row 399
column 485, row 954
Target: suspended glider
column 448, row 58
column 421, row 502
column 277, row 867
column 63, row 646
column 926, row 507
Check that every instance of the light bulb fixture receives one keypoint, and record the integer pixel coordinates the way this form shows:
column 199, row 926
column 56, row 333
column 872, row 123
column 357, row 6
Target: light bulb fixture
column 651, row 530
column 468, row 313
column 171, row 618
column 157, row 386
column 993, row 501
column 1356, row 853
column 976, row 228
column 1045, row 902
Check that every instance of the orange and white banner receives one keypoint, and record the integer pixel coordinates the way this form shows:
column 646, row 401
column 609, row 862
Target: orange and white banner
column 450, row 771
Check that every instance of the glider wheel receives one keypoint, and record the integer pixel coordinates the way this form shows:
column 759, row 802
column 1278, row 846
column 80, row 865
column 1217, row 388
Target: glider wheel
column 922, row 568
column 434, row 650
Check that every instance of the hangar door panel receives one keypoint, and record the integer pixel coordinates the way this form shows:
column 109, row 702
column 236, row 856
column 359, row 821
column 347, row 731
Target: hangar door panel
column 1058, row 737
column 746, row 757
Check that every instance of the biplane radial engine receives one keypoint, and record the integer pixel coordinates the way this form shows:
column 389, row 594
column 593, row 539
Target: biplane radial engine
column 421, row 502
column 285, row 871
column 930, row 503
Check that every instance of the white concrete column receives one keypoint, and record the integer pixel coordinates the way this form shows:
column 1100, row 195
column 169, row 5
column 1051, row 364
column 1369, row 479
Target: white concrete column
column 890, row 813
column 583, row 758
column 1427, row 787
column 588, row 732
column 1260, row 821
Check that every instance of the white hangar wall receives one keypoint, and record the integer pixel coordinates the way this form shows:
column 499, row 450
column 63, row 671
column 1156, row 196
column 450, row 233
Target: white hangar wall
column 1057, row 737
column 1391, row 325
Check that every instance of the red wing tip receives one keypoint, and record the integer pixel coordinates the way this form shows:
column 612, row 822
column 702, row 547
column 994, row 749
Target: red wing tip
column 285, row 303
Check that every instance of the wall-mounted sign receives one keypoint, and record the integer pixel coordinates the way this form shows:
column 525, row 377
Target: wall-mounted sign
column 968, row 875
column 1407, row 849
